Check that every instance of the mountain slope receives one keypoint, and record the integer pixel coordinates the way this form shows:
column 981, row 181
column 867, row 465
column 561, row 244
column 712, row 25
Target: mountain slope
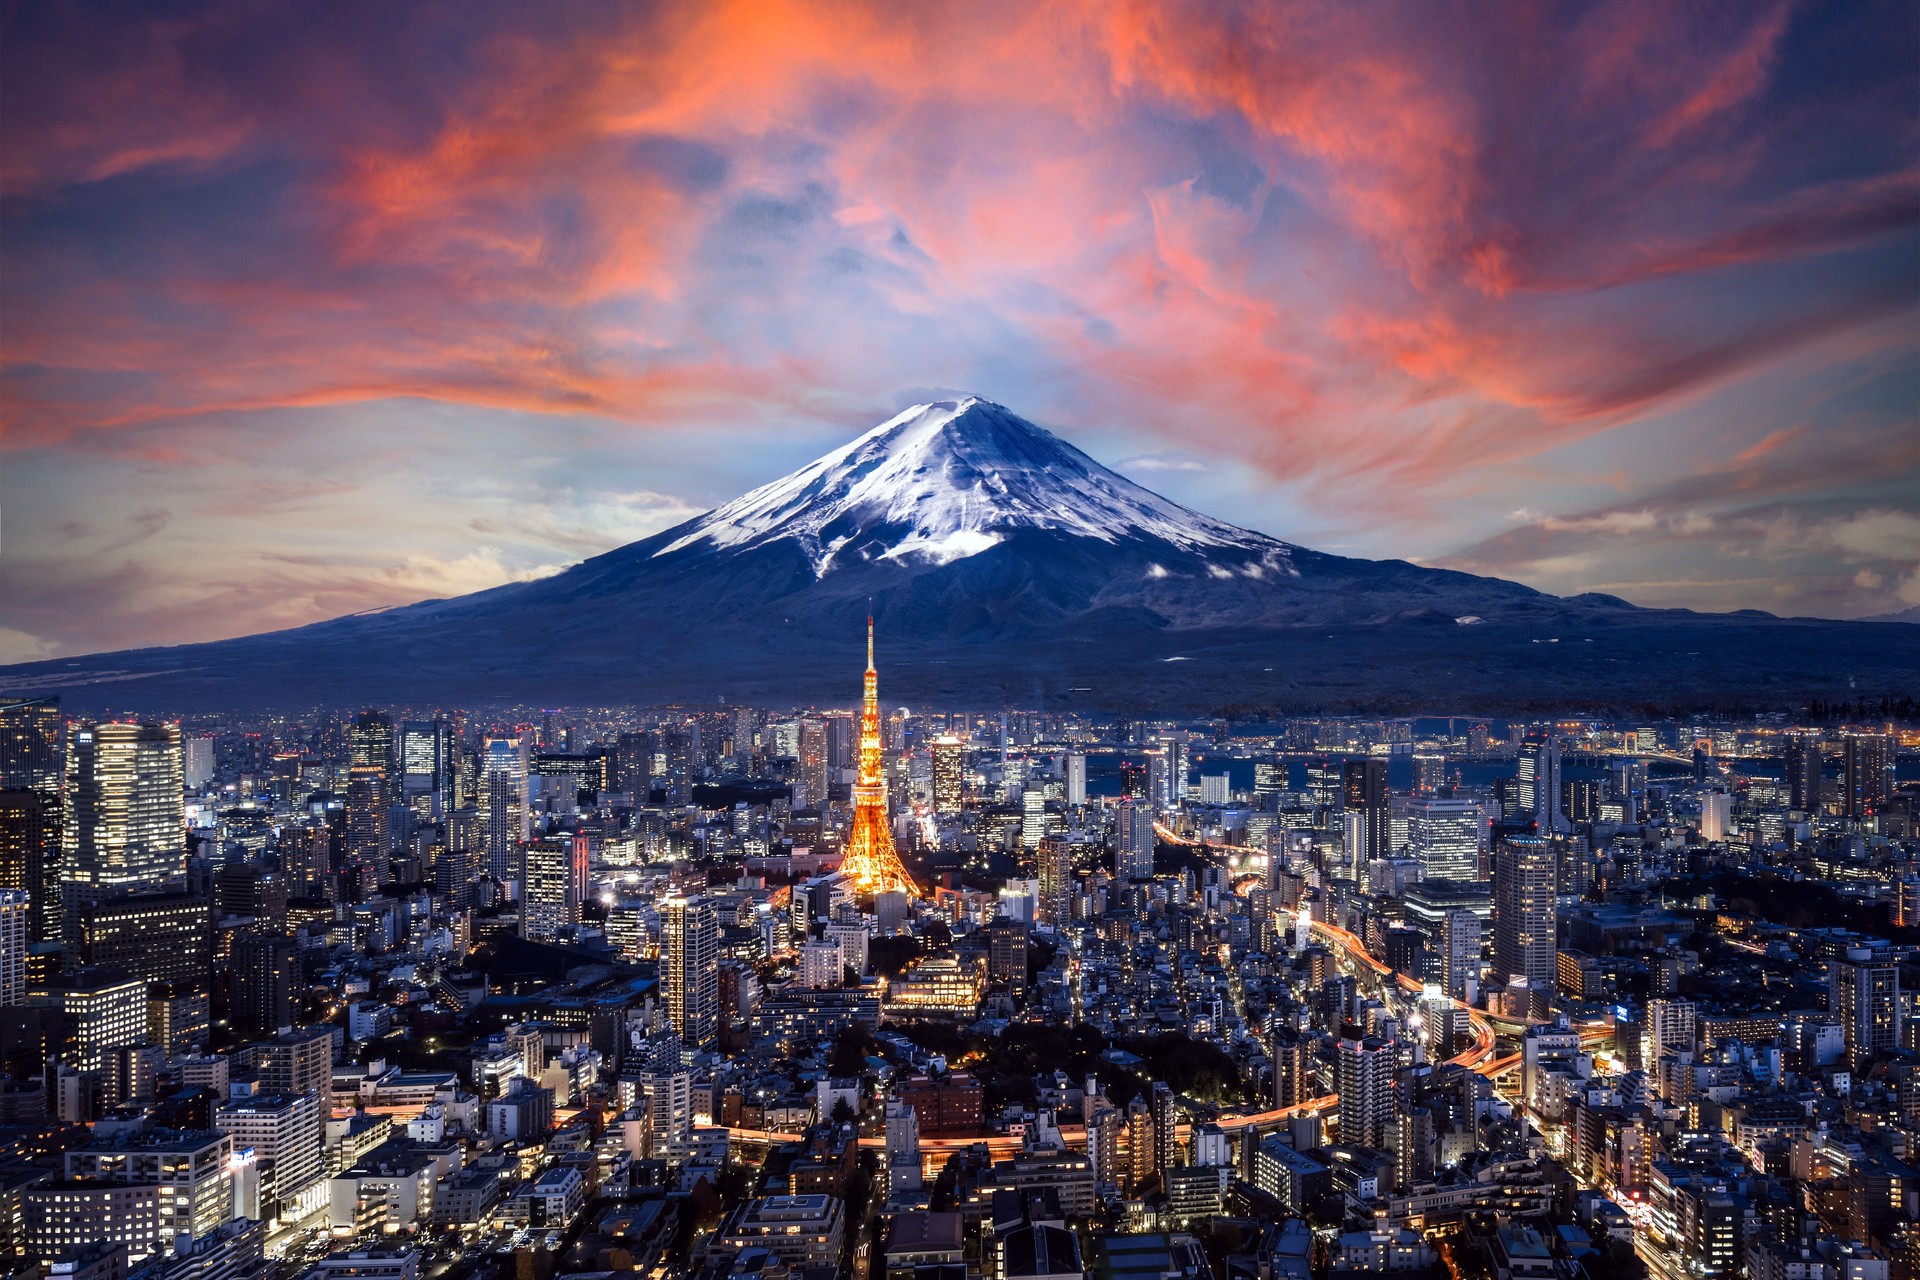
column 1002, row 564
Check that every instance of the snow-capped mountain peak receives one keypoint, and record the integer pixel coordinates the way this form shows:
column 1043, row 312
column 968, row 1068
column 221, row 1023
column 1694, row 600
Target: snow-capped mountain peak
column 943, row 481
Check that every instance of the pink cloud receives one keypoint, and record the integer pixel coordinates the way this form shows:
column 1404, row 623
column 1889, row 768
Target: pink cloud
column 1461, row 239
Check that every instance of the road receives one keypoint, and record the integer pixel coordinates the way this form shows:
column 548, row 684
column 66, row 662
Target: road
column 1476, row 1056
column 1481, row 1056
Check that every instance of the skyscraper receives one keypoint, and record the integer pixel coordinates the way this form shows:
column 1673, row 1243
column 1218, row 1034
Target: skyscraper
column 842, row 744
column 1366, row 1091
column 1804, row 762
column 1364, row 790
column 1056, row 871
column 1716, row 815
column 633, row 765
column 1166, row 1143
column 15, row 937
column 1033, row 817
column 1865, row 996
column 690, row 940
column 298, row 1061
column 1076, row 778
column 1140, row 1150
column 949, row 772
column 30, row 745
column 554, row 885
column 1159, row 779
column 370, row 744
column 1867, row 758
column 1460, row 935
column 1539, row 783
column 369, row 845
column 1670, row 1029
column 30, row 855
column 745, row 723
column 123, row 826
column 810, row 776
column 1007, row 953
column 1133, row 841
column 503, row 803
column 1292, row 1068
column 284, row 1131
column 426, row 768
column 870, row 862
column 306, row 856
column 1523, row 909
column 30, row 776
column 101, row 1012
column 1444, row 833
column 264, row 970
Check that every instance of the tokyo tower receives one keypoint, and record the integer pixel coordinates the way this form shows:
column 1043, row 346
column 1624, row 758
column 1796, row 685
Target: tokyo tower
column 871, row 862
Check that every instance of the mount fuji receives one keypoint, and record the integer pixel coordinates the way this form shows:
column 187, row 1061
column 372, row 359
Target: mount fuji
column 1003, row 566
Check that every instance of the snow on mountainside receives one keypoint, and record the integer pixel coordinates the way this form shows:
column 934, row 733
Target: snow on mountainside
column 1004, row 568
column 944, row 481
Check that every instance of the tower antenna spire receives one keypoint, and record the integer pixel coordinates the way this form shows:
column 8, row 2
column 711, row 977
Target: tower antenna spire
column 870, row 860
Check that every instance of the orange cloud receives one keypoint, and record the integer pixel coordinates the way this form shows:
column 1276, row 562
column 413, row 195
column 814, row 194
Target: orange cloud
column 1379, row 249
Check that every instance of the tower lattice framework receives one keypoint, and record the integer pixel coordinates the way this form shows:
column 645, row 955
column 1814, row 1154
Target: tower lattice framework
column 871, row 862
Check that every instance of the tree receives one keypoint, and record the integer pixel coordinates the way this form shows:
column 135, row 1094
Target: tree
column 850, row 1051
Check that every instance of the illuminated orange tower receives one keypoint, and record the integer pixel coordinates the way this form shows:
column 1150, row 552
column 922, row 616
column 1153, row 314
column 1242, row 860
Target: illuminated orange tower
column 871, row 861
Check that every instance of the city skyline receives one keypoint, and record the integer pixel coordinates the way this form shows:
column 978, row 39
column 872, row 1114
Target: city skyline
column 733, row 992
column 309, row 318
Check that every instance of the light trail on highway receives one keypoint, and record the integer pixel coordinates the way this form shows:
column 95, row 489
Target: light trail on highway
column 1475, row 1057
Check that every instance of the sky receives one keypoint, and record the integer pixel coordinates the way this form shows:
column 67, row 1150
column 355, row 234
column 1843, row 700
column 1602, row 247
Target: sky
column 312, row 310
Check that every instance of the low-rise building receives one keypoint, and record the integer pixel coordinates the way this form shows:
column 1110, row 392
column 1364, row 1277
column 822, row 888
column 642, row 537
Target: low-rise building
column 799, row 1230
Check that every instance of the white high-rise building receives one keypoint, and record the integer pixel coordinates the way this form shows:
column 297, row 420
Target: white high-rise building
column 1865, row 994
column 104, row 1012
column 903, row 1148
column 504, row 818
column 124, row 828
column 666, row 1102
column 554, row 884
column 822, row 965
column 852, row 941
column 1670, row 1029
column 1460, row 944
column 949, row 773
column 193, row 1168
column 1033, row 817
column 284, row 1131
column 1444, row 834
column 1076, row 779
column 1366, row 1091
column 691, row 943
column 196, row 761
column 1716, row 814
